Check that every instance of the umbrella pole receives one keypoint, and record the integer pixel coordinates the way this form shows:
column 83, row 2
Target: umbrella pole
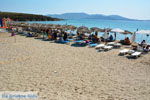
column 142, row 37
column 147, row 38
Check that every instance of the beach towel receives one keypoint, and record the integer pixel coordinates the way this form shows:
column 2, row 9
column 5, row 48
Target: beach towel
column 79, row 41
column 93, row 45
column 63, row 42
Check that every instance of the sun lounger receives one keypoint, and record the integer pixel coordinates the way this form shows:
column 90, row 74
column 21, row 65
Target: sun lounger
column 136, row 54
column 146, row 50
column 123, row 52
column 99, row 46
column 111, row 43
column 108, row 47
column 131, row 52
column 117, row 45
column 140, row 49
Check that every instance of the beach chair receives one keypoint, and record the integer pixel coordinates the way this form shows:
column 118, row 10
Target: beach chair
column 106, row 48
column 100, row 46
column 111, row 43
column 117, row 45
column 140, row 49
column 136, row 54
column 123, row 52
column 131, row 52
column 146, row 50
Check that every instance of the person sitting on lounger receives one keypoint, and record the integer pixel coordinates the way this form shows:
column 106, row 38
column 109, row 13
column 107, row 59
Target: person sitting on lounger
column 49, row 36
column 110, row 39
column 79, row 36
column 65, row 36
column 143, row 43
column 94, row 38
column 55, row 35
column 96, row 33
column 126, row 41
column 146, row 48
column 29, row 35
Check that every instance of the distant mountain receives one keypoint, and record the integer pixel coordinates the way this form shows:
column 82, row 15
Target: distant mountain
column 70, row 15
column 87, row 16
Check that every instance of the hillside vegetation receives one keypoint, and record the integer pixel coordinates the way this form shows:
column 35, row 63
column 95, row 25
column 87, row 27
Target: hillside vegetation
column 26, row 17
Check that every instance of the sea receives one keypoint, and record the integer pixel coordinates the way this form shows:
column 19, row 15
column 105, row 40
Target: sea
column 132, row 26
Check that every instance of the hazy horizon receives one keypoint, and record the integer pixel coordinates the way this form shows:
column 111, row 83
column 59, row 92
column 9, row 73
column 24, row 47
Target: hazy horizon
column 135, row 9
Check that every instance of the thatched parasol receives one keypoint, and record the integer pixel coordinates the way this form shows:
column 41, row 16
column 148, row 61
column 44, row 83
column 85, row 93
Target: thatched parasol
column 83, row 29
column 96, row 29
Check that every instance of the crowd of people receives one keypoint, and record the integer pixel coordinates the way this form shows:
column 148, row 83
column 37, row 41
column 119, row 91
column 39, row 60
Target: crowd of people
column 62, row 35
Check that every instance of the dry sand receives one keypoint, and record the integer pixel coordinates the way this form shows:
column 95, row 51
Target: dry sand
column 62, row 72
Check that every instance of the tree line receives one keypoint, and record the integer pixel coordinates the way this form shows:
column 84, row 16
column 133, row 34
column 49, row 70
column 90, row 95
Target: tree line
column 26, row 17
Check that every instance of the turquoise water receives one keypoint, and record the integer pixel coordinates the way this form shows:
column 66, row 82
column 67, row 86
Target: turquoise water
column 125, row 25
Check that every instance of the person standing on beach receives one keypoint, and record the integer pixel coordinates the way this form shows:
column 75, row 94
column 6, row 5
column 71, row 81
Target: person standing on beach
column 13, row 32
column 55, row 35
column 65, row 36
column 115, row 35
column 96, row 33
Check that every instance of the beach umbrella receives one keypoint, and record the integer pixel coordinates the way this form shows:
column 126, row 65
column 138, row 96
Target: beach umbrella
column 106, row 30
column 83, row 29
column 53, row 26
column 96, row 29
column 146, row 32
column 117, row 30
column 71, row 27
column 127, row 32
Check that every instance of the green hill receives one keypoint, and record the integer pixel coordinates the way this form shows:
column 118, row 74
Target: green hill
column 26, row 17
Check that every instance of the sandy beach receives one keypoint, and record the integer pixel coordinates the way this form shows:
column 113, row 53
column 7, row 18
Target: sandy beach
column 63, row 72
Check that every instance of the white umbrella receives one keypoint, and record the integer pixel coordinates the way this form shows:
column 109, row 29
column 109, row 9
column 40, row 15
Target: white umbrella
column 133, row 38
column 143, row 32
column 147, row 32
column 118, row 30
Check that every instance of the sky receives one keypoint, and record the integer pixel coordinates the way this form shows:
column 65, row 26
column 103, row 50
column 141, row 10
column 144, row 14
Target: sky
column 136, row 9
